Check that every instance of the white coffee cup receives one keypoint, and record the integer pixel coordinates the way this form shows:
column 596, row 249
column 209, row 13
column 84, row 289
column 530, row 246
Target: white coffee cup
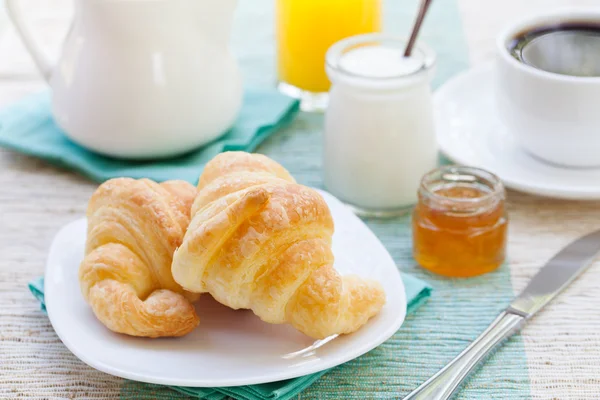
column 554, row 117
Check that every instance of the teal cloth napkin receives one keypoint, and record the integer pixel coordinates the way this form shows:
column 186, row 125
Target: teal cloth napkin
column 28, row 127
column 417, row 292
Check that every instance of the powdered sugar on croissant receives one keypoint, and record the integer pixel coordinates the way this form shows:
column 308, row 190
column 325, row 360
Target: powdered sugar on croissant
column 134, row 226
column 260, row 241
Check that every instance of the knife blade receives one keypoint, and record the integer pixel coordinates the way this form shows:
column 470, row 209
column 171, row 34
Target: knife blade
column 552, row 278
column 556, row 275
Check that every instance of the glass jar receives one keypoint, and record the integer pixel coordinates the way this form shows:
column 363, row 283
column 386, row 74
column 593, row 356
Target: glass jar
column 460, row 222
column 305, row 29
column 379, row 136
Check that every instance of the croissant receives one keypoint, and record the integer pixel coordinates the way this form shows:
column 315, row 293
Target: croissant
column 260, row 241
column 134, row 226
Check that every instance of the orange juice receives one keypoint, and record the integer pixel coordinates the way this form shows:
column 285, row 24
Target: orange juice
column 307, row 28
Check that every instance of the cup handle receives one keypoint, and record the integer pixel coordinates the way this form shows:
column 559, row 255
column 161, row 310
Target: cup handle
column 37, row 55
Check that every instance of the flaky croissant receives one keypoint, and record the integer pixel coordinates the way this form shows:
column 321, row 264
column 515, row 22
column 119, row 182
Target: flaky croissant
column 260, row 241
column 134, row 226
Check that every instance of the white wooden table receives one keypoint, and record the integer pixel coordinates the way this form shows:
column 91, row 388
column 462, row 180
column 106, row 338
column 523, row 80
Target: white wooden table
column 562, row 344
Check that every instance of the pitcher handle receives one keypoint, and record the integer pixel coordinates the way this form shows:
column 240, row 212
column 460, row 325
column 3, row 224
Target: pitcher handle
column 37, row 55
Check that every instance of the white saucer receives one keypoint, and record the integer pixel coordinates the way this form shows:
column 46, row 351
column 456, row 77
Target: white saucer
column 229, row 348
column 470, row 132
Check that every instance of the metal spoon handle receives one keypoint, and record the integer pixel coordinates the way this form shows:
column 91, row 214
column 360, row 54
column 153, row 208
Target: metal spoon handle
column 417, row 27
column 444, row 384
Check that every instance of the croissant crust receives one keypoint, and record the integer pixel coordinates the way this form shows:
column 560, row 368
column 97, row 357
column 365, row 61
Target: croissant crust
column 134, row 226
column 258, row 240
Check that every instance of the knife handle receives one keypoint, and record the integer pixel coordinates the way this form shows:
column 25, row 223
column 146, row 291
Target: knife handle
column 446, row 382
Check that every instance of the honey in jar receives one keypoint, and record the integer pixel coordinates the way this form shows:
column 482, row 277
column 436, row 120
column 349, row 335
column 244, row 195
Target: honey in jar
column 460, row 222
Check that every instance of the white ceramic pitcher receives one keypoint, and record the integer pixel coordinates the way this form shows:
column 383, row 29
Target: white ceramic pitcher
column 143, row 78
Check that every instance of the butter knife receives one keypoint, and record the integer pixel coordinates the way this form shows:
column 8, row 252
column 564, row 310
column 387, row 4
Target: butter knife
column 556, row 275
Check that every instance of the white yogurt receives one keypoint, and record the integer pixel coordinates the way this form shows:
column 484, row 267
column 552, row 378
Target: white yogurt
column 379, row 135
column 378, row 62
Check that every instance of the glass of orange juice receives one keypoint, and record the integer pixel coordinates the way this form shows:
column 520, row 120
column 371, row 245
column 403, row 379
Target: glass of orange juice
column 305, row 29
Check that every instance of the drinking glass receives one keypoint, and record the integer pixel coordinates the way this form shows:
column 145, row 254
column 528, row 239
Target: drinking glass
column 305, row 29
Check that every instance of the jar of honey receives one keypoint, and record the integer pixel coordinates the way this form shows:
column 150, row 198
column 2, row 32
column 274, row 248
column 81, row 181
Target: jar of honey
column 460, row 222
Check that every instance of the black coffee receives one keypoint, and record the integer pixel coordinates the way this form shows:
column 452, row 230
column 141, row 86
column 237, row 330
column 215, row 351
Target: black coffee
column 571, row 48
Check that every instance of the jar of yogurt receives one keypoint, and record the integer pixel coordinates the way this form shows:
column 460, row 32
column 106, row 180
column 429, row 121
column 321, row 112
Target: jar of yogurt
column 379, row 137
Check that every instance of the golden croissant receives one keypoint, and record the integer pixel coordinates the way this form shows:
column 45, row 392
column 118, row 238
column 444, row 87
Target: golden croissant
column 134, row 226
column 260, row 241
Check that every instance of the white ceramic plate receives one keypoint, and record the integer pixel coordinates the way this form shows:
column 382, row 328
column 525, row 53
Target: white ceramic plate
column 470, row 132
column 229, row 348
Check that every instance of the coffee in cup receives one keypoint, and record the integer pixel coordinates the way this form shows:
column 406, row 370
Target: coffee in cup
column 548, row 85
column 570, row 48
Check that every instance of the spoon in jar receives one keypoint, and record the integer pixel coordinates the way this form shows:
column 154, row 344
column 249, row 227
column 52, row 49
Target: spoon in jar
column 417, row 26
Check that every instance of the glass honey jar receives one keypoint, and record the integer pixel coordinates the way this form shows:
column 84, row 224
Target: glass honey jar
column 460, row 222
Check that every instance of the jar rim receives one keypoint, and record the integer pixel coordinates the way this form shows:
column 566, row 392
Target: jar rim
column 462, row 172
column 337, row 50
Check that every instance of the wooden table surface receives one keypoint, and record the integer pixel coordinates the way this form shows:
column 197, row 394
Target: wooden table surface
column 562, row 344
